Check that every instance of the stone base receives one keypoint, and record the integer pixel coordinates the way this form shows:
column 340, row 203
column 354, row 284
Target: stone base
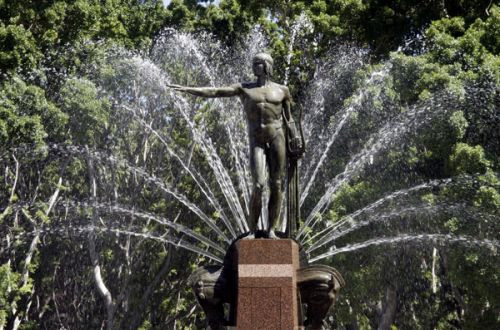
column 265, row 288
column 267, row 284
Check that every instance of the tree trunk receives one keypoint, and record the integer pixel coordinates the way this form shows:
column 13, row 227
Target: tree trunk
column 389, row 309
column 137, row 316
column 32, row 250
column 94, row 258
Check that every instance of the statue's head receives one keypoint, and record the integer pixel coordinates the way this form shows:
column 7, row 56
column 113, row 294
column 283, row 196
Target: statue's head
column 267, row 60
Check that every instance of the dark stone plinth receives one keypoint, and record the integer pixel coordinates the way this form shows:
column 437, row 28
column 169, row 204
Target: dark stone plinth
column 267, row 284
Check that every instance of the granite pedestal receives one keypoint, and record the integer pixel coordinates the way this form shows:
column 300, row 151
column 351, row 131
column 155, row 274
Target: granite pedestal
column 267, row 284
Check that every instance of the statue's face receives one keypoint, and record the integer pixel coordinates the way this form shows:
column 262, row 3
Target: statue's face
column 259, row 67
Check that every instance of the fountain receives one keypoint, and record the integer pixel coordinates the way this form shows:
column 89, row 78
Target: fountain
column 263, row 281
column 200, row 170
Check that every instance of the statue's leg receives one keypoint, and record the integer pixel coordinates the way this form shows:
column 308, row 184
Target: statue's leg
column 257, row 165
column 277, row 161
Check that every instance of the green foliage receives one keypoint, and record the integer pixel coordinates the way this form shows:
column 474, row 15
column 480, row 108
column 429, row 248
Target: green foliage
column 26, row 116
column 17, row 48
column 227, row 20
column 456, row 55
column 7, row 281
column 467, row 159
column 10, row 292
column 489, row 198
column 88, row 114
column 352, row 197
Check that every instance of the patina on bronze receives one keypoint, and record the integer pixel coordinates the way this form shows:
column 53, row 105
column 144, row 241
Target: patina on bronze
column 213, row 286
column 319, row 287
column 267, row 108
column 294, row 153
column 275, row 140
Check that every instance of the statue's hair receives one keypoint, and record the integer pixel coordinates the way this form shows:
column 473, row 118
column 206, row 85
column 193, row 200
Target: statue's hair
column 268, row 60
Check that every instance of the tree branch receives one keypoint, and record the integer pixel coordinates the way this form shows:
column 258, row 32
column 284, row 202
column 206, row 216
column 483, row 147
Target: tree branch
column 136, row 319
column 94, row 258
column 32, row 249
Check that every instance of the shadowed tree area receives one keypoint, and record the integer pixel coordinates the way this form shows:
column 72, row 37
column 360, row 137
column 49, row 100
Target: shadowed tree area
column 113, row 190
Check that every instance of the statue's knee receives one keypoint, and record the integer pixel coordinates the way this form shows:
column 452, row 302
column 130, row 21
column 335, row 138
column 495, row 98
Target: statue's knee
column 277, row 184
column 258, row 188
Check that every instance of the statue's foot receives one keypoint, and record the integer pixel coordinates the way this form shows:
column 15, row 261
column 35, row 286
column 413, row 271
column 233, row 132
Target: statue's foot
column 251, row 235
column 272, row 235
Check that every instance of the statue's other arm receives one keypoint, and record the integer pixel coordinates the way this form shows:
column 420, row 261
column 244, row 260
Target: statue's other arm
column 227, row 91
column 295, row 140
column 287, row 101
column 287, row 104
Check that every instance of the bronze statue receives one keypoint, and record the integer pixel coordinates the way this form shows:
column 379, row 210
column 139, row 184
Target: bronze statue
column 267, row 108
column 274, row 140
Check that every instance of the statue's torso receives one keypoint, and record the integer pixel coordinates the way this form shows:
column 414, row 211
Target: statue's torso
column 263, row 107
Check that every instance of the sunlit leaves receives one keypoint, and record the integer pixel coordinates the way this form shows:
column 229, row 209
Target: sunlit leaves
column 88, row 116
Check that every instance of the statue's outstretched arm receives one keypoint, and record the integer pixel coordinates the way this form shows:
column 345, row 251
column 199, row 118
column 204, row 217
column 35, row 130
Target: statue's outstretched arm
column 227, row 91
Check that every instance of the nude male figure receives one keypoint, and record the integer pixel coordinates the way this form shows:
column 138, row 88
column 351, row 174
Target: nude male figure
column 267, row 106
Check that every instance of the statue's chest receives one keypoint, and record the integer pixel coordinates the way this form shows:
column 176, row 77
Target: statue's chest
column 264, row 95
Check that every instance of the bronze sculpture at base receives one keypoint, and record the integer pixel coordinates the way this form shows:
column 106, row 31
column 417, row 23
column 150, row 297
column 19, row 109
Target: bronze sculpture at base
column 319, row 286
column 212, row 287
